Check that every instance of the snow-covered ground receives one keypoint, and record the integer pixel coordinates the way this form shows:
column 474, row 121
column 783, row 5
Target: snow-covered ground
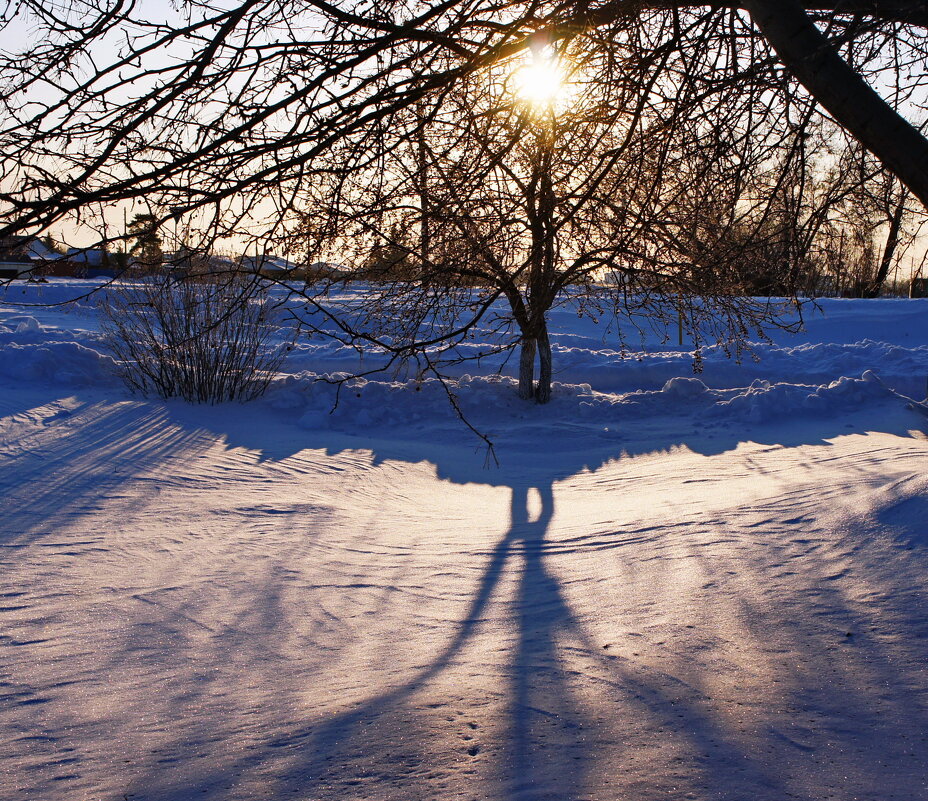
column 672, row 587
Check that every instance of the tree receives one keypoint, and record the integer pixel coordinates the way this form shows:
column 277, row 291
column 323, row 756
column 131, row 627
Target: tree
column 843, row 91
column 390, row 259
column 52, row 245
column 146, row 249
column 528, row 197
column 879, row 213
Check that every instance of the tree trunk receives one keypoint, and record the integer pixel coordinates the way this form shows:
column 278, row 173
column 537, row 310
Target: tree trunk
column 540, row 392
column 812, row 60
column 543, row 390
column 422, row 177
column 892, row 241
column 527, row 368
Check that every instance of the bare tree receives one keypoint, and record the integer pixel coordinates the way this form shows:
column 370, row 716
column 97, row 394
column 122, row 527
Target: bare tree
column 880, row 214
column 594, row 192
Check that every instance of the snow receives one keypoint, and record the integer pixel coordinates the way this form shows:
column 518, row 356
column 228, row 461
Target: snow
column 673, row 585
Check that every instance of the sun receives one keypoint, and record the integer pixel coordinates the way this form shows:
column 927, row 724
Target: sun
column 542, row 81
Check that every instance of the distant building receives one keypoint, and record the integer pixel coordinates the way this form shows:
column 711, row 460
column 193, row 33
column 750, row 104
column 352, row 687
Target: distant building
column 326, row 270
column 269, row 265
column 84, row 263
column 184, row 262
column 29, row 248
column 278, row 267
column 24, row 257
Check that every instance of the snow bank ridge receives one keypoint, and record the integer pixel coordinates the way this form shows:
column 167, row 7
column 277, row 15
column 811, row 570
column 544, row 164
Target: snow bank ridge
column 57, row 362
column 763, row 400
column 491, row 401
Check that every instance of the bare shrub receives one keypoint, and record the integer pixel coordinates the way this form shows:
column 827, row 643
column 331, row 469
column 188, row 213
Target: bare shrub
column 206, row 338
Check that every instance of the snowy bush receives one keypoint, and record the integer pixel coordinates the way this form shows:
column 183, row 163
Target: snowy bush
column 206, row 339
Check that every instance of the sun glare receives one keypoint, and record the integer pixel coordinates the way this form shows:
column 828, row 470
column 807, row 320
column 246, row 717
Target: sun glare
column 542, row 82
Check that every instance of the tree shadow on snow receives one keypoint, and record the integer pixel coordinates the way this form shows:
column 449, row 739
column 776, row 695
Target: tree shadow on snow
column 555, row 741
column 72, row 452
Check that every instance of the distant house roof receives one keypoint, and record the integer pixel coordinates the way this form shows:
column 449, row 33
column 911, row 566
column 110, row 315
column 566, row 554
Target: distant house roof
column 268, row 263
column 38, row 251
column 221, row 263
column 12, row 248
column 327, row 268
column 88, row 256
column 25, row 248
column 196, row 261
